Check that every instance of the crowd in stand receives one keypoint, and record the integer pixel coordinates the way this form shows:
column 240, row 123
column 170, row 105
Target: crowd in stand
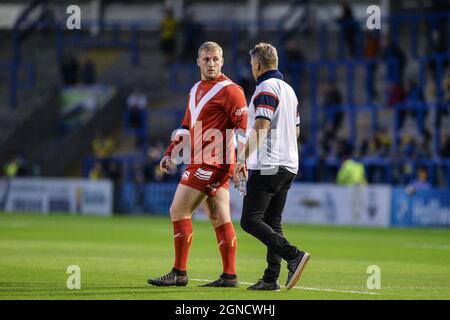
column 402, row 86
column 73, row 71
column 404, row 92
column 18, row 166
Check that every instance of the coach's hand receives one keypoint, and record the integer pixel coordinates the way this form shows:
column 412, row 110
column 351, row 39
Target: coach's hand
column 165, row 164
column 240, row 173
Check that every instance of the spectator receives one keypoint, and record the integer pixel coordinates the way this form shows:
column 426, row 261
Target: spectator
column 377, row 148
column 293, row 51
column 395, row 100
column 351, row 173
column 103, row 145
column 430, row 90
column 137, row 115
column 17, row 166
column 349, row 28
column 88, row 73
column 372, row 45
column 421, row 182
column 408, row 147
column 136, row 103
column 436, row 45
column 372, row 52
column 96, row 172
column 445, row 148
column 114, row 172
column 395, row 59
column 443, row 106
column 446, row 88
column 139, row 182
column 151, row 166
column 149, row 169
column 193, row 37
column 381, row 143
column 69, row 69
column 168, row 30
column 36, row 170
column 11, row 168
column 424, row 146
column 416, row 105
column 328, row 144
column 332, row 105
column 294, row 58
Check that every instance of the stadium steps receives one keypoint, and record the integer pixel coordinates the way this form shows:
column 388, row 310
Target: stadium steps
column 37, row 50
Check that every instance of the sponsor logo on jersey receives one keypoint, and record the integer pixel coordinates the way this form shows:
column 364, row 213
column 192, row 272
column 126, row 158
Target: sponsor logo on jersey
column 241, row 111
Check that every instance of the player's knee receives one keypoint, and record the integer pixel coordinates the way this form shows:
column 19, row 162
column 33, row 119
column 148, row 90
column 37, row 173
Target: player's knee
column 177, row 214
column 214, row 220
column 218, row 219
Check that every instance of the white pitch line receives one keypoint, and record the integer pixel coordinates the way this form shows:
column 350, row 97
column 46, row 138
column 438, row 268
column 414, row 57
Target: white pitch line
column 306, row 288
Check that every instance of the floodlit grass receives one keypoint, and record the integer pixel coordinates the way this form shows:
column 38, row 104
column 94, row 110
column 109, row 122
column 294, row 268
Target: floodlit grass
column 117, row 255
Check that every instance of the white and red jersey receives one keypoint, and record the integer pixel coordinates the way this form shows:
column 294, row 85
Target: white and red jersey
column 275, row 100
column 214, row 106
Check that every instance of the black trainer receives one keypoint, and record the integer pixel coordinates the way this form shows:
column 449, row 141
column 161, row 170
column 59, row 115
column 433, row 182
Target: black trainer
column 262, row 285
column 171, row 279
column 223, row 282
column 295, row 268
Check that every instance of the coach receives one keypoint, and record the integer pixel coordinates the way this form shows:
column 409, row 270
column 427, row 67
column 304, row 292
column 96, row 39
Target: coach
column 271, row 154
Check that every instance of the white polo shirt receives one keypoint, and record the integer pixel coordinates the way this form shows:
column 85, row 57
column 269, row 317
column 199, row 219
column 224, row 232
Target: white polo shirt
column 274, row 100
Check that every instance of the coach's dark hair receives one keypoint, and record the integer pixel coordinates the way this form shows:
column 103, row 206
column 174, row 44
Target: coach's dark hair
column 266, row 54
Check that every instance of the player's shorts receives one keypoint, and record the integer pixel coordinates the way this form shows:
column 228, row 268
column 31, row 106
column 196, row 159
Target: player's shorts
column 205, row 178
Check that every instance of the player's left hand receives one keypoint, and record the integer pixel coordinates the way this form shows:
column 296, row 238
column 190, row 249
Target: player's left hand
column 240, row 173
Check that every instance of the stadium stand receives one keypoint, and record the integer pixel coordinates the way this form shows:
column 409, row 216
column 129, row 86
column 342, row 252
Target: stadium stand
column 382, row 95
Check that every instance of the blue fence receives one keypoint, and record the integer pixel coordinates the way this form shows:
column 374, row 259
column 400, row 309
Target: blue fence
column 430, row 208
column 151, row 198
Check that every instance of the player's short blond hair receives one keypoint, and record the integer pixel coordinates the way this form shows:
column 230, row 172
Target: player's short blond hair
column 266, row 54
column 210, row 46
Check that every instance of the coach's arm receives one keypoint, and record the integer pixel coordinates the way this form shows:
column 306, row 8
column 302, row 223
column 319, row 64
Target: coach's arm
column 257, row 136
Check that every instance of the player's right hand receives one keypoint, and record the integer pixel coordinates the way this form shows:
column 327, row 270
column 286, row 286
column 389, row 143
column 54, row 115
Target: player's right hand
column 240, row 173
column 165, row 164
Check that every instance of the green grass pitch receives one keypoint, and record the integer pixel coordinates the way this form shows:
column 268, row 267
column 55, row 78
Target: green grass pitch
column 117, row 255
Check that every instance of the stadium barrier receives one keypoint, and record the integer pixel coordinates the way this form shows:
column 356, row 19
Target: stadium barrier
column 323, row 204
column 328, row 204
column 427, row 208
column 47, row 195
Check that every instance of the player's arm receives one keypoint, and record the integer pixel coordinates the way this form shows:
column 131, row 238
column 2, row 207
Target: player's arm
column 237, row 111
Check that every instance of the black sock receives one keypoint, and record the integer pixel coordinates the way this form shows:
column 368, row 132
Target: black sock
column 228, row 276
column 179, row 272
